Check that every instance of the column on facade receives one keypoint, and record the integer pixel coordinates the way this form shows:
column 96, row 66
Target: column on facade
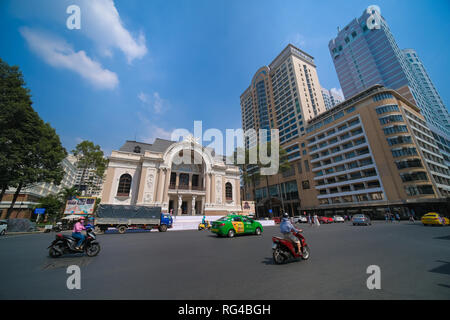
column 208, row 187
column 141, row 185
column 162, row 179
column 202, row 205
column 180, row 200
column 213, row 189
column 193, row 205
column 166, row 187
column 157, row 183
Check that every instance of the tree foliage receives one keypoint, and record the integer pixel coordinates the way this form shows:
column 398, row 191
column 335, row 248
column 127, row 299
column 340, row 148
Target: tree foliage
column 53, row 207
column 68, row 193
column 30, row 149
column 251, row 173
column 88, row 156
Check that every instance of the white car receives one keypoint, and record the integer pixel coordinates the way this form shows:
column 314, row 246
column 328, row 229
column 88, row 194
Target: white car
column 338, row 219
column 3, row 226
column 300, row 219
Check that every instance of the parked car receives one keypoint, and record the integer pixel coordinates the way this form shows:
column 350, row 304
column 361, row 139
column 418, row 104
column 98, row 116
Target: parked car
column 3, row 227
column 325, row 219
column 277, row 220
column 361, row 220
column 338, row 219
column 433, row 218
column 234, row 224
column 300, row 219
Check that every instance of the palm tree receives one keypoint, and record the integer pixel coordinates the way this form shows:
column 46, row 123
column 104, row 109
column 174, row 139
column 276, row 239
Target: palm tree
column 68, row 193
column 252, row 173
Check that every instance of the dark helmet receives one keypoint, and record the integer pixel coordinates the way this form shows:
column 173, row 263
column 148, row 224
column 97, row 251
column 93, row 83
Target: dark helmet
column 285, row 215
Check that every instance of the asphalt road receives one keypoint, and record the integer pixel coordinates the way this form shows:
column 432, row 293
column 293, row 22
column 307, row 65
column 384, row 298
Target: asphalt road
column 414, row 262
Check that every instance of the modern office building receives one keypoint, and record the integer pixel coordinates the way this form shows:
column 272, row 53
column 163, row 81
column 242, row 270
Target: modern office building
column 331, row 98
column 371, row 153
column 365, row 53
column 154, row 175
column 29, row 197
column 283, row 95
column 439, row 115
column 439, row 111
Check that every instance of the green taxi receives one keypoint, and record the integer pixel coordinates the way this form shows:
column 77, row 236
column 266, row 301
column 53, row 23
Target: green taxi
column 234, row 224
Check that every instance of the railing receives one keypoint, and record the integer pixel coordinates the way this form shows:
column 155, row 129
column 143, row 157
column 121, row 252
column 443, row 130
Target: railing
column 186, row 187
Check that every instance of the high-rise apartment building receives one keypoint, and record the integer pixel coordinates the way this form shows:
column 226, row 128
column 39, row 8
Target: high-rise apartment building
column 331, row 98
column 283, row 95
column 86, row 180
column 365, row 53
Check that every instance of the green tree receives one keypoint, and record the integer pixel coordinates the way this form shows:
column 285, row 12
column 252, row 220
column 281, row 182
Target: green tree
column 68, row 193
column 89, row 156
column 17, row 120
column 251, row 173
column 30, row 150
column 53, row 207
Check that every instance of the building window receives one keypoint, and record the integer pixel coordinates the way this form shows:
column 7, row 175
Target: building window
column 306, row 166
column 184, row 180
column 137, row 149
column 299, row 167
column 305, row 184
column 228, row 191
column 124, row 185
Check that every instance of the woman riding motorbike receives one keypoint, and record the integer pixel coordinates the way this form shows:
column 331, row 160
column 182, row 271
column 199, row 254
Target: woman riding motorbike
column 76, row 232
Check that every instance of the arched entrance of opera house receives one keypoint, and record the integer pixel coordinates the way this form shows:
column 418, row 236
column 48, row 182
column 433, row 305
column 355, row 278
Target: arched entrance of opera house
column 187, row 192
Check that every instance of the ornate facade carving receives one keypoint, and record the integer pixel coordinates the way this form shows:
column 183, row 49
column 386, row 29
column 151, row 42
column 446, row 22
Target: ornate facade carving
column 156, row 188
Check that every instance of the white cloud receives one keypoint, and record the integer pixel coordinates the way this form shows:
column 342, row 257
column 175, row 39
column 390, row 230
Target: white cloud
column 101, row 22
column 143, row 97
column 157, row 104
column 152, row 131
column 296, row 39
column 60, row 54
column 337, row 92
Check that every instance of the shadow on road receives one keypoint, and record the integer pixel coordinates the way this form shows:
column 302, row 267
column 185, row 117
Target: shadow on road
column 444, row 285
column 268, row 261
column 443, row 238
column 78, row 259
column 443, row 269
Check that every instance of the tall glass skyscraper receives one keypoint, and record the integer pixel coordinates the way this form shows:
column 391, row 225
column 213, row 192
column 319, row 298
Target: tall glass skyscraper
column 439, row 113
column 365, row 53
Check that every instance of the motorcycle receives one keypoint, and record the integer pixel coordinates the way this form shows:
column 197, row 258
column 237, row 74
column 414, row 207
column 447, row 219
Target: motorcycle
column 203, row 226
column 58, row 227
column 283, row 250
column 66, row 244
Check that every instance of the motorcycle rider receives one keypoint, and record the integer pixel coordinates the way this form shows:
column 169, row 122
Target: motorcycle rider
column 76, row 232
column 286, row 227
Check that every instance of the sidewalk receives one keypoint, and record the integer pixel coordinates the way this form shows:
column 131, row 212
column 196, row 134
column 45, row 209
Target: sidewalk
column 21, row 233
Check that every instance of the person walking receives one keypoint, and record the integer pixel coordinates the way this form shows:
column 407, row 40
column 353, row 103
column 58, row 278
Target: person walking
column 309, row 220
column 411, row 216
column 316, row 221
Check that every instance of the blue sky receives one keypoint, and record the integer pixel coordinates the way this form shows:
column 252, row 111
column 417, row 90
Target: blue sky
column 139, row 69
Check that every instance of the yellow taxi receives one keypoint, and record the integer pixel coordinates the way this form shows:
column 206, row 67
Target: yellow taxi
column 433, row 218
